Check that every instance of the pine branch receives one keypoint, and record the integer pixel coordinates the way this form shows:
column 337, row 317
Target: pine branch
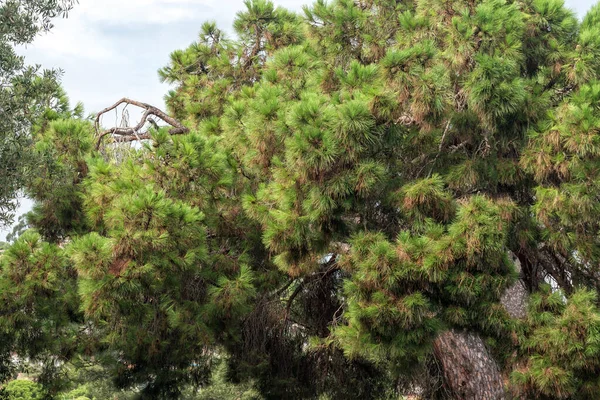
column 553, row 266
column 441, row 146
column 279, row 291
column 330, row 267
column 291, row 299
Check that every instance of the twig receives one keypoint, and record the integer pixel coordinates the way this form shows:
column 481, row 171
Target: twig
column 291, row 299
column 279, row 291
column 441, row 146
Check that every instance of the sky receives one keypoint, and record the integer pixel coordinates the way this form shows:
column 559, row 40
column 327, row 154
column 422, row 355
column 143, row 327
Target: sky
column 109, row 49
column 113, row 48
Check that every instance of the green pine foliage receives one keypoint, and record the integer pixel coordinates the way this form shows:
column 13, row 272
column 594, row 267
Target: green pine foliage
column 357, row 180
column 38, row 291
column 148, row 279
column 61, row 150
column 401, row 294
column 562, row 347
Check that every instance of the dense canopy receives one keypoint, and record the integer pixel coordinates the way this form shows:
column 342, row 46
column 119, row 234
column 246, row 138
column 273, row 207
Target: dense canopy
column 370, row 200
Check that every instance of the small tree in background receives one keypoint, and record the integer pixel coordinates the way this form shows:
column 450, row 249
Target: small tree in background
column 24, row 91
column 23, row 390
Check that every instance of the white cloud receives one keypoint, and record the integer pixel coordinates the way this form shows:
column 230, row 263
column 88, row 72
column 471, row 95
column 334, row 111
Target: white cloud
column 83, row 33
column 125, row 12
column 73, row 38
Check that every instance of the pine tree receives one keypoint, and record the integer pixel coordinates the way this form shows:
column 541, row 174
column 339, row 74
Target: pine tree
column 151, row 284
column 366, row 196
column 38, row 320
column 395, row 140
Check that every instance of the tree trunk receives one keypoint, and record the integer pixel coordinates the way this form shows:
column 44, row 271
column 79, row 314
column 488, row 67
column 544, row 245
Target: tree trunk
column 514, row 299
column 470, row 372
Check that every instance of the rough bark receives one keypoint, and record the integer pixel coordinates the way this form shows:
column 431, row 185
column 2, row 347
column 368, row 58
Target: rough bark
column 469, row 369
column 515, row 297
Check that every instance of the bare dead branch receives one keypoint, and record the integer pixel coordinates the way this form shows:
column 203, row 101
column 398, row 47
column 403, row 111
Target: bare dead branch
column 406, row 120
column 133, row 133
column 441, row 146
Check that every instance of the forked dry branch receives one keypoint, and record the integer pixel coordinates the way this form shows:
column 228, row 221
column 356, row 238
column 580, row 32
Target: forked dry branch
column 137, row 132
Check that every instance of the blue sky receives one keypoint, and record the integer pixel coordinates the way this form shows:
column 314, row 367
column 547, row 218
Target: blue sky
column 113, row 48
